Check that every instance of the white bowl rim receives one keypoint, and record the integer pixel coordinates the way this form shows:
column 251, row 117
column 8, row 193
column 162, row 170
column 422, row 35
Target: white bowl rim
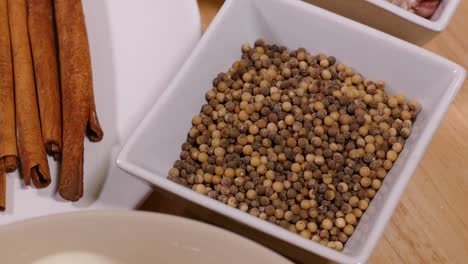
column 137, row 216
column 435, row 25
column 160, row 180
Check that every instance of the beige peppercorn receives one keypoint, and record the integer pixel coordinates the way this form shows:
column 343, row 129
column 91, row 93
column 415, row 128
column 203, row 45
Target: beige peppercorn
column 364, row 171
column 365, row 182
column 357, row 212
column 338, row 245
column 392, row 155
column 414, row 105
column 300, row 225
column 306, row 234
column 324, row 63
column 340, row 223
column 279, row 213
column 397, row 147
column 174, row 172
column 351, row 219
column 232, row 202
column 312, row 227
column 288, row 216
column 381, row 173
column 363, row 204
column 348, row 229
column 200, row 188
column 353, row 201
column 243, row 207
column 230, row 173
column 331, row 244
column 326, row 224
column 376, row 183
column 251, row 194
column 357, row 78
column 305, row 204
column 278, row 187
column 316, row 238
column 342, row 187
column 326, row 75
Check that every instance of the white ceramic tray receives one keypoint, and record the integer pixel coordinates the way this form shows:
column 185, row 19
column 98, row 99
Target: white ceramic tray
column 136, row 48
column 392, row 19
column 407, row 69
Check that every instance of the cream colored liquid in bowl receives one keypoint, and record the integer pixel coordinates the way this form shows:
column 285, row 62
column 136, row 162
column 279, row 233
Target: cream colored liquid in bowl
column 75, row 257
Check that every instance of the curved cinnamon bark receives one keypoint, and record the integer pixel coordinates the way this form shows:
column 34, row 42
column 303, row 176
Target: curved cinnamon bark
column 2, row 185
column 8, row 151
column 42, row 38
column 78, row 108
column 32, row 155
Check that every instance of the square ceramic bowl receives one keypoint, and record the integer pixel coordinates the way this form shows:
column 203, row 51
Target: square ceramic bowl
column 407, row 69
column 392, row 19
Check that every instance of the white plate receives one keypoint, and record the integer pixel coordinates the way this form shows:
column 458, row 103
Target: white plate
column 126, row 237
column 136, row 48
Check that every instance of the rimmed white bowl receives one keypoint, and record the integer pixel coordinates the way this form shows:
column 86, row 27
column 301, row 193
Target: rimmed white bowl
column 125, row 237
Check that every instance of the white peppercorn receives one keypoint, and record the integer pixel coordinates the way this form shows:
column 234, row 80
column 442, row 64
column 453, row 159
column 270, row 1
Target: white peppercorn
column 298, row 140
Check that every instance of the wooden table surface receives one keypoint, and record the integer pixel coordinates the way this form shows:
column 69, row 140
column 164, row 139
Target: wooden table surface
column 431, row 222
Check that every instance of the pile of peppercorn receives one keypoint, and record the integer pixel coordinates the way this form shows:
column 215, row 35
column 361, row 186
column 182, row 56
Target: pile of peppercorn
column 296, row 140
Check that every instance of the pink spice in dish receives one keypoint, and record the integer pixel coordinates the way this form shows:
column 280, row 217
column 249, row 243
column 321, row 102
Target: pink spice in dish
column 424, row 8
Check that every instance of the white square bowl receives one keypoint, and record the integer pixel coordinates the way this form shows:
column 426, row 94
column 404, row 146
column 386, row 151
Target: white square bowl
column 407, row 69
column 385, row 16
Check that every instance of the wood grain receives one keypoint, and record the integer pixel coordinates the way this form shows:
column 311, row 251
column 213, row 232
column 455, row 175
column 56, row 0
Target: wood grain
column 431, row 222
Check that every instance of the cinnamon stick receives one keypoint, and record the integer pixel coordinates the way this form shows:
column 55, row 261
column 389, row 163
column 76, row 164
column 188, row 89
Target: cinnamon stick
column 78, row 107
column 8, row 151
column 42, row 38
column 2, row 185
column 31, row 154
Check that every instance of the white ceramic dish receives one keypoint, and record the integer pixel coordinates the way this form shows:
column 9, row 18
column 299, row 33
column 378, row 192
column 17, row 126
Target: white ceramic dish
column 392, row 19
column 407, row 69
column 124, row 237
column 129, row 43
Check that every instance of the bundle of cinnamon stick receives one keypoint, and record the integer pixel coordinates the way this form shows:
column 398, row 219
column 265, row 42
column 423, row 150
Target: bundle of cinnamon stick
column 46, row 93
